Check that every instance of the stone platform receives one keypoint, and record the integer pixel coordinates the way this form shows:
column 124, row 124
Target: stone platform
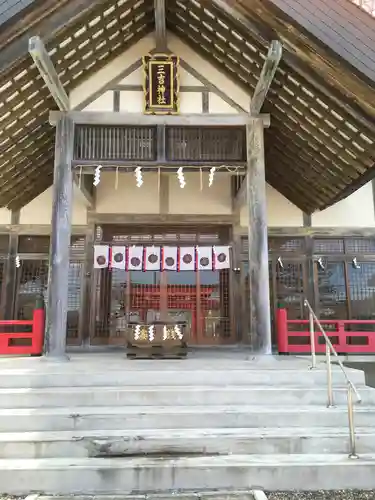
column 218, row 420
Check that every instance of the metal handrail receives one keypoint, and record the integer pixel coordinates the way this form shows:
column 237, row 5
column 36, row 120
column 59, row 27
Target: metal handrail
column 350, row 385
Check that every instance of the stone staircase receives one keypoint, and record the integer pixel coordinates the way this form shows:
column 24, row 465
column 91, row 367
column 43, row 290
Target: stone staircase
column 101, row 424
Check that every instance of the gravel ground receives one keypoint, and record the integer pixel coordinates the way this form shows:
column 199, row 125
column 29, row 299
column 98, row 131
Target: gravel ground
column 322, row 495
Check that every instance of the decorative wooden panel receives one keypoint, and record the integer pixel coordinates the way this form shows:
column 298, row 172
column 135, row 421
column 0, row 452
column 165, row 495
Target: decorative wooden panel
column 93, row 142
column 206, row 144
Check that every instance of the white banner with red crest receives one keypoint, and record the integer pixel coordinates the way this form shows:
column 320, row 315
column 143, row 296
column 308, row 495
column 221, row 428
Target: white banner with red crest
column 169, row 259
column 221, row 257
column 135, row 258
column 187, row 259
column 152, row 258
column 204, row 258
column 101, row 256
column 118, row 257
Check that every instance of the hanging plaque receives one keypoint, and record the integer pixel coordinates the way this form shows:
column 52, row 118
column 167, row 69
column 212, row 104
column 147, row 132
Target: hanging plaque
column 161, row 84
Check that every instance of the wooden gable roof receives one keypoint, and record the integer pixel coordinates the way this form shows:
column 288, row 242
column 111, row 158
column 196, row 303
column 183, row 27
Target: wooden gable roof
column 320, row 146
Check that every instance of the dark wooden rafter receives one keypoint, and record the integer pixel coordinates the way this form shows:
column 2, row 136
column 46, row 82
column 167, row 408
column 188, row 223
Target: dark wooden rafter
column 43, row 18
column 81, row 51
column 318, row 58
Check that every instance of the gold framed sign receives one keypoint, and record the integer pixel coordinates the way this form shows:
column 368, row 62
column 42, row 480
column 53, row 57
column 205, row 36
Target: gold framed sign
column 161, row 84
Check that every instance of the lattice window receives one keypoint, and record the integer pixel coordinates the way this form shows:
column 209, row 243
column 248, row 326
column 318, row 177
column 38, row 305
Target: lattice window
column 362, row 290
column 329, row 245
column 32, row 281
column 333, row 299
column 160, row 236
column 360, row 246
column 210, row 144
column 286, row 245
column 290, row 288
column 33, row 244
column 74, row 298
column 77, row 247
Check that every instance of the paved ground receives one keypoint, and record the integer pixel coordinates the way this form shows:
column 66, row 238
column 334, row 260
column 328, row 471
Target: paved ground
column 322, row 495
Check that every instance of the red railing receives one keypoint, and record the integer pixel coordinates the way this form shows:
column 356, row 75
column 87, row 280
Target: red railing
column 293, row 335
column 23, row 342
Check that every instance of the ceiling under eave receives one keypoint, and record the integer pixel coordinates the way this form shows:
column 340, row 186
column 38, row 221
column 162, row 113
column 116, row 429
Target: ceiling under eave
column 319, row 148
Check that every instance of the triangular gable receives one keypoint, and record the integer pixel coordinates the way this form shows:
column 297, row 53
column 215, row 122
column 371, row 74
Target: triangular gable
column 118, row 86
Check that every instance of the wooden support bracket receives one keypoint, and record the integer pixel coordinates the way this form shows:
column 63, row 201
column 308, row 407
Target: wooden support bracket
column 48, row 72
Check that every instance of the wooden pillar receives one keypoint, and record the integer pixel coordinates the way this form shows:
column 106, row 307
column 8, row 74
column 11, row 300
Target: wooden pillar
column 260, row 313
column 10, row 270
column 55, row 341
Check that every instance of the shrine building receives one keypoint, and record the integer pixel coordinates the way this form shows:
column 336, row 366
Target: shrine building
column 190, row 161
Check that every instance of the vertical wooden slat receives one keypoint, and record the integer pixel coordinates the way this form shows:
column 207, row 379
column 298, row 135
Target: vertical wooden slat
column 85, row 309
column 116, row 101
column 309, row 271
column 260, row 323
column 55, row 339
column 11, row 270
column 205, row 101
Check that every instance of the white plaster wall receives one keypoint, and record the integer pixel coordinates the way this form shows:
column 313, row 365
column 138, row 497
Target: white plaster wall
column 125, row 197
column 355, row 211
column 5, row 216
column 110, row 72
column 39, row 211
column 102, row 103
column 131, row 101
column 210, row 73
column 280, row 211
column 192, row 200
column 191, row 102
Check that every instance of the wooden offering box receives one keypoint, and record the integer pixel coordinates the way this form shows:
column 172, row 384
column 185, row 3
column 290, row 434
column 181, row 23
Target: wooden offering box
column 156, row 340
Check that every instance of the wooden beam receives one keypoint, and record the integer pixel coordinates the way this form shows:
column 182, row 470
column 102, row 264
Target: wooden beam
column 55, row 339
column 47, row 71
column 140, row 119
column 260, row 312
column 160, row 26
column 11, row 270
column 165, row 166
column 266, row 76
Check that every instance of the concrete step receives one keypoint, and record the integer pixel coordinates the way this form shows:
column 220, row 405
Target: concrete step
column 172, row 395
column 188, row 417
column 174, row 377
column 136, row 475
column 181, row 442
column 174, row 495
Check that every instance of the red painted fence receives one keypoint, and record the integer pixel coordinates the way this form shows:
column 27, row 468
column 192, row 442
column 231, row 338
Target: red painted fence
column 28, row 340
column 293, row 335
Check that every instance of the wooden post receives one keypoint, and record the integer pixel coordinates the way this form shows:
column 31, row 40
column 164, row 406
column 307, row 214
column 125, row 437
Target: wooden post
column 10, row 281
column 260, row 313
column 55, row 341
